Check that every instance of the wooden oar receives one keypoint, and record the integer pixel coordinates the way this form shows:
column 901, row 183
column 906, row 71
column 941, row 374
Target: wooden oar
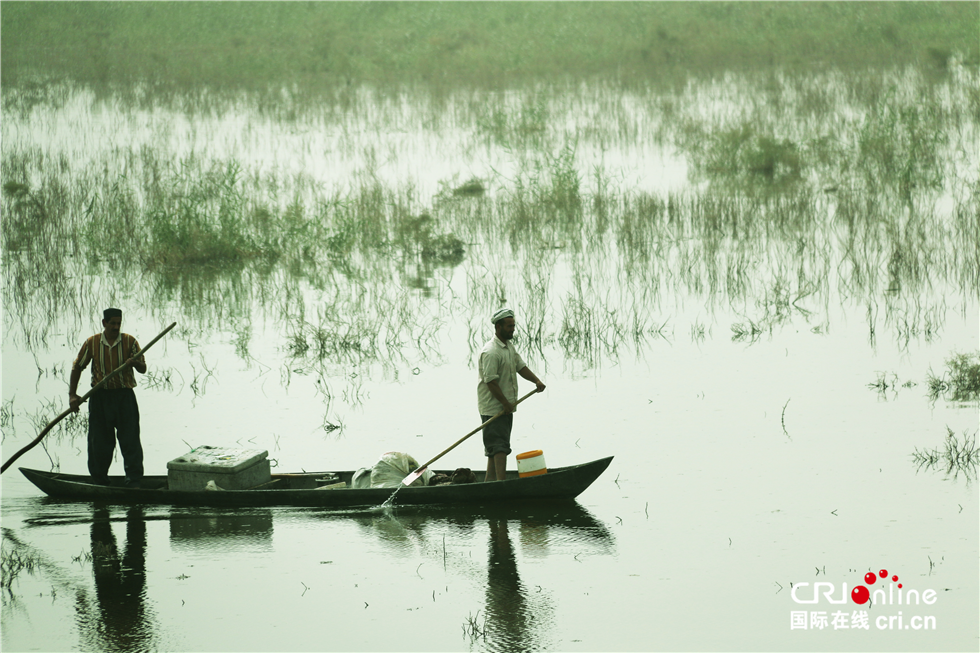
column 408, row 480
column 88, row 394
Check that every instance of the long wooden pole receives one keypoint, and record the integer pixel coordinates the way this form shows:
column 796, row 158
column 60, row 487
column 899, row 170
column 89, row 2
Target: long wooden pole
column 88, row 394
column 408, row 480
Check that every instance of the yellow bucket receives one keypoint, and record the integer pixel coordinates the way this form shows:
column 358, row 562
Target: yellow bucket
column 531, row 463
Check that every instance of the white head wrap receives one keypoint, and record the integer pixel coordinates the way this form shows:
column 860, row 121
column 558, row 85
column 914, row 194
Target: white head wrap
column 501, row 314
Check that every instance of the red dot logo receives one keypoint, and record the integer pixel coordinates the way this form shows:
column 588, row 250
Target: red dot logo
column 860, row 594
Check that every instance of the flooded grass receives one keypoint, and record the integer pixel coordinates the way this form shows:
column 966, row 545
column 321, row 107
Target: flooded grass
column 12, row 563
column 7, row 418
column 956, row 457
column 72, row 427
column 474, row 628
column 16, row 558
column 778, row 216
column 162, row 379
column 361, row 229
column 961, row 380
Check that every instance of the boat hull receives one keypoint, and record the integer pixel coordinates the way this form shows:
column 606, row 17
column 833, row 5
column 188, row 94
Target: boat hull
column 559, row 484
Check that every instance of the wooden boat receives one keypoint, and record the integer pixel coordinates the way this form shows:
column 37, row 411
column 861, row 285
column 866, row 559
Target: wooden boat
column 559, row 484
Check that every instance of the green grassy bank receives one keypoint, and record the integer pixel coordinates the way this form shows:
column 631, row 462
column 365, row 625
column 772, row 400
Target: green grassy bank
column 252, row 45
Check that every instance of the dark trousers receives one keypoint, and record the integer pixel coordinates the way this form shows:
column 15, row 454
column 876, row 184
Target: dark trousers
column 112, row 415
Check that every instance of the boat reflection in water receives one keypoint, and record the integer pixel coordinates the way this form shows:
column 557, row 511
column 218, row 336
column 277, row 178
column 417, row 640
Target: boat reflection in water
column 513, row 597
column 517, row 615
column 194, row 528
column 122, row 621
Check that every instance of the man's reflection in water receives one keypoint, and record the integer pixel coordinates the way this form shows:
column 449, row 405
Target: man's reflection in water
column 121, row 622
column 509, row 622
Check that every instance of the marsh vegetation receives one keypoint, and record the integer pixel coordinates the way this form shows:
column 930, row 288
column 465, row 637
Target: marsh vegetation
column 777, row 220
column 960, row 381
column 16, row 558
column 958, row 456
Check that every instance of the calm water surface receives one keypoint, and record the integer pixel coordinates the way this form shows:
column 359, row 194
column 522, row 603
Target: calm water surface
column 745, row 465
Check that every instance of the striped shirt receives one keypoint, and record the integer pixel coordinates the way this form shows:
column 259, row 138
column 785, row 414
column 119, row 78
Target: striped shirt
column 106, row 357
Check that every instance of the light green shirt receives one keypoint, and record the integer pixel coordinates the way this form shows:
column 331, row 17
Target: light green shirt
column 499, row 362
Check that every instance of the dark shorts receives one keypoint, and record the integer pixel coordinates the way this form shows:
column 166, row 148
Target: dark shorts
column 496, row 434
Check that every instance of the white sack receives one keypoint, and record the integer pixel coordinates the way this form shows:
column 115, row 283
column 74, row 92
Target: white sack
column 393, row 467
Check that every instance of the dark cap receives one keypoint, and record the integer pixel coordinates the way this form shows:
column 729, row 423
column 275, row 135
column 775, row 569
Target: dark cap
column 110, row 313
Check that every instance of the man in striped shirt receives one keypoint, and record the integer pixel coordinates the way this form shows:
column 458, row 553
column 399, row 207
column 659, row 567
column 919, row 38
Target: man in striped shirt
column 113, row 412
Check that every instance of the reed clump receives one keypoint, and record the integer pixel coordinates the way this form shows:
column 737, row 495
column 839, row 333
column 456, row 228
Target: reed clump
column 414, row 236
column 961, row 380
column 474, row 628
column 956, row 456
column 472, row 188
column 13, row 561
column 742, row 156
column 898, row 146
column 7, row 418
column 201, row 219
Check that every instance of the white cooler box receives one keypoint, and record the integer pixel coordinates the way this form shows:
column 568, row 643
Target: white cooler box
column 230, row 469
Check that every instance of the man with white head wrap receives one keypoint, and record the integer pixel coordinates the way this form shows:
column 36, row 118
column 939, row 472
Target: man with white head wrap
column 498, row 366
